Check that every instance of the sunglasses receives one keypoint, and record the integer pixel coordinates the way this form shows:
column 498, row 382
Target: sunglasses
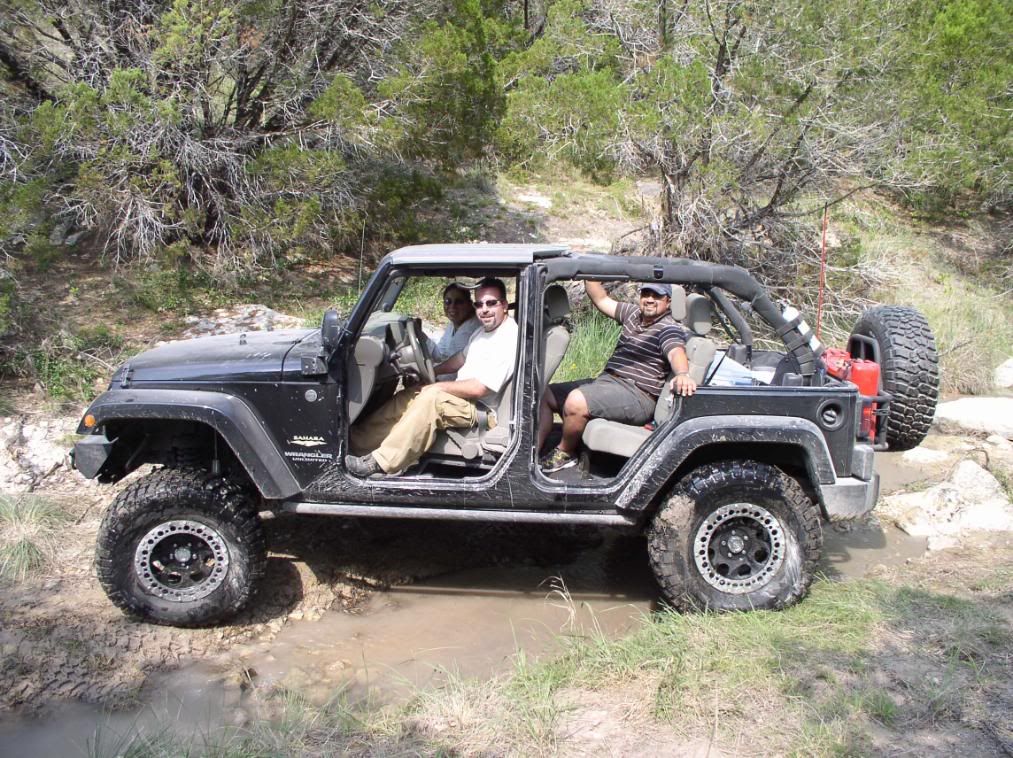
column 490, row 303
column 455, row 300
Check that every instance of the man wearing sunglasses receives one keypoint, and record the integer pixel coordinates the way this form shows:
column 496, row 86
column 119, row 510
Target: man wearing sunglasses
column 405, row 427
column 652, row 345
column 461, row 323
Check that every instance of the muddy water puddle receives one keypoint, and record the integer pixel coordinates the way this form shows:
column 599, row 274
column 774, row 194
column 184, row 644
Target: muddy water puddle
column 467, row 624
column 181, row 704
column 852, row 549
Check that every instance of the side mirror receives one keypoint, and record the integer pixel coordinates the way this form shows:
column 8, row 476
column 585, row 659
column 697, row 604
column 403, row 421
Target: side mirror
column 330, row 329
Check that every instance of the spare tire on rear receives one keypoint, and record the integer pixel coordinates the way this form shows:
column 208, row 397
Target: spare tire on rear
column 905, row 348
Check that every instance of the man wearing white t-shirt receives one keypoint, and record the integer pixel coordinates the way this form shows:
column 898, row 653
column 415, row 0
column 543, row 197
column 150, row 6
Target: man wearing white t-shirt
column 404, row 428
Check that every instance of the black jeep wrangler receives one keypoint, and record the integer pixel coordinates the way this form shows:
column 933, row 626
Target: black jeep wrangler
column 731, row 485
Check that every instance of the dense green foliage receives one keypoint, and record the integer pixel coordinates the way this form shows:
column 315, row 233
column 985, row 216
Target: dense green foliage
column 234, row 133
column 231, row 131
column 954, row 99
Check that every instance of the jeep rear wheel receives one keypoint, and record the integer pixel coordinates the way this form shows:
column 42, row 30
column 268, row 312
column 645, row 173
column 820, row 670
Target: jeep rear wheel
column 181, row 547
column 735, row 536
column 910, row 369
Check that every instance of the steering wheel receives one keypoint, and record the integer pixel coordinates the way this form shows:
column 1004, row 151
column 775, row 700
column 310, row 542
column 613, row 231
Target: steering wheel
column 411, row 356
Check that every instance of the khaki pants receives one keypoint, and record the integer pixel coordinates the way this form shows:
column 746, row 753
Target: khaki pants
column 400, row 431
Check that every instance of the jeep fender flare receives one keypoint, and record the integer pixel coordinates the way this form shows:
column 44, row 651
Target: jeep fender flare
column 690, row 436
column 234, row 420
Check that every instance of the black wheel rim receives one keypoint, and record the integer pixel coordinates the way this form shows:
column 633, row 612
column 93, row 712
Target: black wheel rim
column 738, row 548
column 181, row 561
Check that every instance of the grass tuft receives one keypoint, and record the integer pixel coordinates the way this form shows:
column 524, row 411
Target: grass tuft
column 28, row 527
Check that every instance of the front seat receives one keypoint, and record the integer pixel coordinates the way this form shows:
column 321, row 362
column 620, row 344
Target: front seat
column 555, row 331
column 473, row 443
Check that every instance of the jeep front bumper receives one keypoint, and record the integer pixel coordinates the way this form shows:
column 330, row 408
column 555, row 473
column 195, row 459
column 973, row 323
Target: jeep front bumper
column 90, row 454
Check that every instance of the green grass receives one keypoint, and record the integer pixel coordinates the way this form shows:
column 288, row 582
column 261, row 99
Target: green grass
column 997, row 580
column 28, row 528
column 422, row 298
column 177, row 290
column 814, row 667
column 342, row 301
column 572, row 193
column 593, row 339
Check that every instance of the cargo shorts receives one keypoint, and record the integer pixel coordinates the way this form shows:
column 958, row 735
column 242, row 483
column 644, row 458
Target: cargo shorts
column 610, row 397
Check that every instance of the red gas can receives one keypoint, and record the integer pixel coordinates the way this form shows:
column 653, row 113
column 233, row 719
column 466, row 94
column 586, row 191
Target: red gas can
column 865, row 374
column 838, row 363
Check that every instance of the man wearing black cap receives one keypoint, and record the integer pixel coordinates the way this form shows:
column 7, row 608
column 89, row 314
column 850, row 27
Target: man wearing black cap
column 651, row 346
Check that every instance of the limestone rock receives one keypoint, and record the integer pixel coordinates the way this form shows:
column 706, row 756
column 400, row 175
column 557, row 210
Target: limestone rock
column 924, row 456
column 1004, row 374
column 534, row 197
column 971, row 500
column 240, row 318
column 33, row 451
column 43, row 450
column 984, row 415
column 999, row 451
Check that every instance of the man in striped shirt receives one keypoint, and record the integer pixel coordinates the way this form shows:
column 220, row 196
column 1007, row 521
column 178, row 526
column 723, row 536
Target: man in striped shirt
column 652, row 345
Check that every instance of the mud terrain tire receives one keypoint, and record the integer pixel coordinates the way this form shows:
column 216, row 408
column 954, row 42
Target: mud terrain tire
column 910, row 370
column 203, row 551
column 735, row 536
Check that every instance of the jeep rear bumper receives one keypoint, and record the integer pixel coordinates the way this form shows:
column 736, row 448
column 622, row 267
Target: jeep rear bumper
column 849, row 498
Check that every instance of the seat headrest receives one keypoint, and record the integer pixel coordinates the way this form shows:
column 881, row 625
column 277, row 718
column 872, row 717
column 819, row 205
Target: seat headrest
column 698, row 313
column 678, row 306
column 557, row 303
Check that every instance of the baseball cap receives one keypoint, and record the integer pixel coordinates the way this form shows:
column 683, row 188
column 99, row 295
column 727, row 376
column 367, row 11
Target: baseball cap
column 659, row 288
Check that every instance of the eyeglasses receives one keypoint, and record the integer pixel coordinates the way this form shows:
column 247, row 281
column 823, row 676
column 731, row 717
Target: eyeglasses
column 455, row 301
column 490, row 303
column 652, row 294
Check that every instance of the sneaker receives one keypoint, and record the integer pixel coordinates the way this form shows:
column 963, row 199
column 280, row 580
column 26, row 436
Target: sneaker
column 557, row 460
column 363, row 466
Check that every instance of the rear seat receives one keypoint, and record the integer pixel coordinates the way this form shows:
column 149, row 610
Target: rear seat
column 605, row 436
column 700, row 348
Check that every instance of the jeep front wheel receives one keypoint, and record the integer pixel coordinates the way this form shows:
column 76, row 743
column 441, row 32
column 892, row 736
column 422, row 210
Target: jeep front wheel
column 181, row 547
column 735, row 536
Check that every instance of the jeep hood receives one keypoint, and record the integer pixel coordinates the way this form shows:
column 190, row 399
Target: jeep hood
column 244, row 357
